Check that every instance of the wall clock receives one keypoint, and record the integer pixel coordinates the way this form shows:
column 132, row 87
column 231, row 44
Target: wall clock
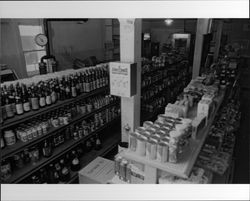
column 41, row 40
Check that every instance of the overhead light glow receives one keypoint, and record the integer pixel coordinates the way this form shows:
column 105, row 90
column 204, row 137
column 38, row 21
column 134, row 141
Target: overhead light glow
column 169, row 22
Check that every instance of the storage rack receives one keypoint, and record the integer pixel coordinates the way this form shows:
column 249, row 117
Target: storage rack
column 168, row 67
column 24, row 172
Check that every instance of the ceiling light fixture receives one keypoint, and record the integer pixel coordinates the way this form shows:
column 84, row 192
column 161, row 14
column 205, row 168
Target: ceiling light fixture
column 169, row 22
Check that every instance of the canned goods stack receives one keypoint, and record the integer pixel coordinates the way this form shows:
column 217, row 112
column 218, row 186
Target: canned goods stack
column 127, row 171
column 163, row 141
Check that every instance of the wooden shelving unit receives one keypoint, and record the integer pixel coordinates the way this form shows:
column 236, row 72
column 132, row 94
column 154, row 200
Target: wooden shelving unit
column 29, row 169
column 10, row 150
column 21, row 174
column 32, row 114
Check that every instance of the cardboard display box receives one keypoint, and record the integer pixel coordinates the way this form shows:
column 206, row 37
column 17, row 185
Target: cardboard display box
column 99, row 171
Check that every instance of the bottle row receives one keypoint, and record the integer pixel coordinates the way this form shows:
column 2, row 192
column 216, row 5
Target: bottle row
column 55, row 172
column 25, row 95
column 45, row 149
column 43, row 124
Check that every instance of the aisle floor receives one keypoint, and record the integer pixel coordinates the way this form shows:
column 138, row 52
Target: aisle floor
column 242, row 156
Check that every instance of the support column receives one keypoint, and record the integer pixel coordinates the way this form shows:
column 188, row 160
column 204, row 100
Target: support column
column 130, row 50
column 203, row 27
column 218, row 40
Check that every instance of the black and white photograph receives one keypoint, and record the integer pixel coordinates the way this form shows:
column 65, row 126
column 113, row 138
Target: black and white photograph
column 92, row 102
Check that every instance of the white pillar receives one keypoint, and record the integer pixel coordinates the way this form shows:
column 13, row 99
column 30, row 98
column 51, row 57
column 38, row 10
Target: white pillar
column 130, row 51
column 203, row 27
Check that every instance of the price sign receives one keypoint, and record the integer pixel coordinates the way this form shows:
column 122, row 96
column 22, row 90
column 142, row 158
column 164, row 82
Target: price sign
column 122, row 79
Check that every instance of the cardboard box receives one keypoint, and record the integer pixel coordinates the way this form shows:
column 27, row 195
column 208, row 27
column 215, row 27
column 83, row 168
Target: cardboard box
column 123, row 79
column 99, row 171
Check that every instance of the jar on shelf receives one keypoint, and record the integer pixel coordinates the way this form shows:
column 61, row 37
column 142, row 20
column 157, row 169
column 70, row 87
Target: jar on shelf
column 6, row 171
column 34, row 155
column 9, row 137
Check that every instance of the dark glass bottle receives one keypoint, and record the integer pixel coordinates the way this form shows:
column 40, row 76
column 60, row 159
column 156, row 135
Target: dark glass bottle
column 53, row 175
column 19, row 105
column 34, row 98
column 43, row 176
column 25, row 98
column 65, row 173
column 47, row 149
column 98, row 144
column 75, row 163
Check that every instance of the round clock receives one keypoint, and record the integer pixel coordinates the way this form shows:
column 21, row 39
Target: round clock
column 41, row 39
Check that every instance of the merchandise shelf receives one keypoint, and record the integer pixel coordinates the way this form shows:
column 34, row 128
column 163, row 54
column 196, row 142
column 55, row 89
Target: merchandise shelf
column 29, row 169
column 108, row 144
column 184, row 166
column 10, row 150
column 32, row 114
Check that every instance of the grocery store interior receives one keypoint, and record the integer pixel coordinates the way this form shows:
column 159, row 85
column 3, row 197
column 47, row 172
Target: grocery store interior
column 125, row 101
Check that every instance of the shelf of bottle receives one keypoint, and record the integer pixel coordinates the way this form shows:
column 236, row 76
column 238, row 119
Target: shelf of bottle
column 108, row 144
column 29, row 169
column 11, row 150
column 26, row 116
column 165, row 67
column 160, row 80
column 184, row 167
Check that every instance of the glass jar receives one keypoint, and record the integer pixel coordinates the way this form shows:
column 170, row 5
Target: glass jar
column 9, row 137
column 34, row 155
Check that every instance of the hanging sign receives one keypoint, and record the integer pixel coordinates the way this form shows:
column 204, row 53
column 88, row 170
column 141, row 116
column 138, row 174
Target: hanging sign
column 122, row 79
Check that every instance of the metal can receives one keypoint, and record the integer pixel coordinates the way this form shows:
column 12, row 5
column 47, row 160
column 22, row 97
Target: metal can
column 23, row 136
column 132, row 141
column 18, row 161
column 39, row 130
column 55, row 122
column 118, row 160
column 65, row 120
column 9, row 137
column 34, row 132
column 141, row 146
column 123, row 169
column 128, row 173
column 29, row 133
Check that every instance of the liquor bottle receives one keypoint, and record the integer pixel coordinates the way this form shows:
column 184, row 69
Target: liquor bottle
column 53, row 175
column 67, row 89
column 34, row 98
column 12, row 95
column 57, row 89
column 3, row 114
column 87, row 82
column 98, row 144
column 77, row 84
column 73, row 88
column 42, row 98
column 65, row 173
column 53, row 93
column 58, row 169
column 25, row 97
column 75, row 163
column 19, row 105
column 43, row 176
column 47, row 95
column 62, row 91
column 47, row 149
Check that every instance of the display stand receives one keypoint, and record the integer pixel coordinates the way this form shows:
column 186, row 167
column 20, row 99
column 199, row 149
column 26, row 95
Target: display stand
column 184, row 167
